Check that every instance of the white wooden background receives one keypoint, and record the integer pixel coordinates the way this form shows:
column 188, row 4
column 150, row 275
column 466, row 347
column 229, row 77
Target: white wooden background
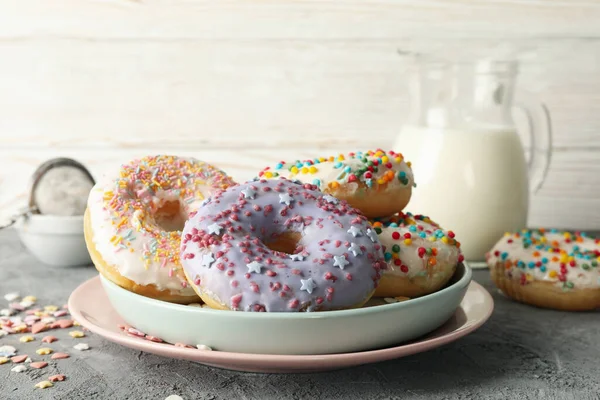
column 245, row 83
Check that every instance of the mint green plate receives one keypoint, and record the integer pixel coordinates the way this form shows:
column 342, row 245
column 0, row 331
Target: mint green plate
column 291, row 333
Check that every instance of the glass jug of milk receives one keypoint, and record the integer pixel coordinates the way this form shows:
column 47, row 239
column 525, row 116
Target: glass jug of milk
column 470, row 167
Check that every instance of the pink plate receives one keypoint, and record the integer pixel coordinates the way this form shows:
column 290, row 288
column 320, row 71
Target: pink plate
column 90, row 306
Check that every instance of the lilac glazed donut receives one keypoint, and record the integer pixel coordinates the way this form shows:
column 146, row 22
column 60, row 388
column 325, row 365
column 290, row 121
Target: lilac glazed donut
column 280, row 246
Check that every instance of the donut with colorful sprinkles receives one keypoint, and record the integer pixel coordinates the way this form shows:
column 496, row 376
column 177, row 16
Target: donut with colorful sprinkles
column 378, row 183
column 134, row 219
column 280, row 246
column 548, row 268
column 421, row 257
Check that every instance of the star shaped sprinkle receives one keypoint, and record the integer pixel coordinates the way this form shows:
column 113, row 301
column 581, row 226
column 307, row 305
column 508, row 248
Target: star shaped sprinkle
column 355, row 249
column 249, row 193
column 285, row 198
column 354, row 231
column 340, row 261
column 309, row 285
column 254, row 267
column 214, row 229
column 372, row 235
column 330, row 199
column 207, row 260
column 297, row 257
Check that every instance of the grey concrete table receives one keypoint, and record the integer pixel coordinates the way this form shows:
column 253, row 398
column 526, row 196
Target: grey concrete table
column 520, row 353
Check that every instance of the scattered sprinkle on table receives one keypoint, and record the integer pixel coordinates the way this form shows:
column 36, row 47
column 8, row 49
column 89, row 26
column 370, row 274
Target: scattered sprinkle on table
column 76, row 334
column 19, row 368
column 59, row 356
column 19, row 359
column 7, row 351
column 57, row 378
column 30, row 299
column 25, row 339
column 26, row 304
column 12, row 296
column 43, row 384
column 65, row 323
column 5, row 312
column 50, row 308
column 174, row 397
column 49, row 339
column 81, row 346
column 44, row 351
column 39, row 327
column 38, row 364
column 4, row 360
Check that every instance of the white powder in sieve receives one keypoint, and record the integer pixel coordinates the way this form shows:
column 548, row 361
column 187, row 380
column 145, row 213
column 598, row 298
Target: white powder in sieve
column 63, row 191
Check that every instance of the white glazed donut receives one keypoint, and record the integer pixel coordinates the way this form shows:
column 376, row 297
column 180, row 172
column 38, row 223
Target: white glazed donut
column 548, row 268
column 134, row 219
column 375, row 182
column 421, row 257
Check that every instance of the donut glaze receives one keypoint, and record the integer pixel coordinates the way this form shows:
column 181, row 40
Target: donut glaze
column 128, row 211
column 421, row 257
column 377, row 183
column 335, row 263
column 569, row 261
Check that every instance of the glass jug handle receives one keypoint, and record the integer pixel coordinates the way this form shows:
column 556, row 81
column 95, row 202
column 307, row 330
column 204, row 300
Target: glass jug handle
column 540, row 140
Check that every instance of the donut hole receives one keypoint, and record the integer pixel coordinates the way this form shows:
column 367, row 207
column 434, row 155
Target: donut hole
column 170, row 216
column 286, row 242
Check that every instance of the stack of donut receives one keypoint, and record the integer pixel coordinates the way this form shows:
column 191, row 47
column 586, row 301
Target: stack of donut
column 308, row 235
column 313, row 235
column 421, row 257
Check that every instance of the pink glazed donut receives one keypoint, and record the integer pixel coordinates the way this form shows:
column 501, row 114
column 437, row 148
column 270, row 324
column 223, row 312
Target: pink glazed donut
column 280, row 246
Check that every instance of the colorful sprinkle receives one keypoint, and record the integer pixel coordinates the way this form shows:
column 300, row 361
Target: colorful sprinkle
column 44, row 385
column 49, row 339
column 38, row 364
column 44, row 351
column 57, row 378
column 59, row 356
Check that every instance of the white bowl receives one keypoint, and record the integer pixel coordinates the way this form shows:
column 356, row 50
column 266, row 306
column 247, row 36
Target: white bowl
column 54, row 240
column 324, row 332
